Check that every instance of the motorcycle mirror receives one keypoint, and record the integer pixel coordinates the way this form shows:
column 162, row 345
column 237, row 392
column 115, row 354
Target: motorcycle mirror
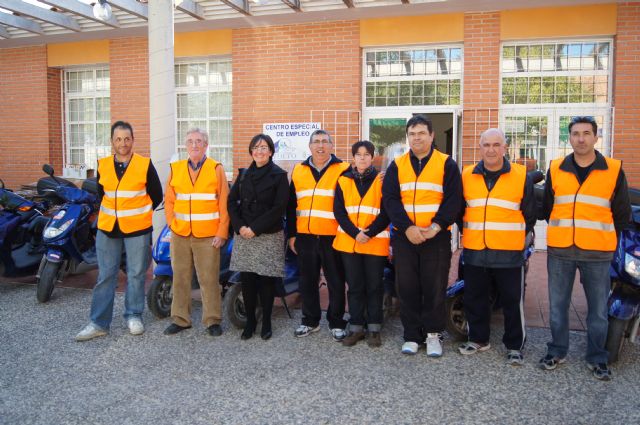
column 48, row 169
column 1, row 184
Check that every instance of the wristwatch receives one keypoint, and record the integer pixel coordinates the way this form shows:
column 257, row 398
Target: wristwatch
column 435, row 227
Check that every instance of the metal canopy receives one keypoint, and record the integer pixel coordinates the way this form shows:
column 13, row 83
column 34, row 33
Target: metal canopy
column 29, row 22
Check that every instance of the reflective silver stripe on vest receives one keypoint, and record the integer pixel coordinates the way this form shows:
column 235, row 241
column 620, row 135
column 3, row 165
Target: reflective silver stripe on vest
column 585, row 199
column 315, row 213
column 363, row 209
column 125, row 213
column 383, row 235
column 196, row 196
column 422, row 208
column 312, row 192
column 490, row 225
column 197, row 217
column 494, row 202
column 421, row 186
column 583, row 224
column 125, row 193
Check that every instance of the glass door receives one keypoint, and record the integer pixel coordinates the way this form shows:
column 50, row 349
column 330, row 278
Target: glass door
column 387, row 132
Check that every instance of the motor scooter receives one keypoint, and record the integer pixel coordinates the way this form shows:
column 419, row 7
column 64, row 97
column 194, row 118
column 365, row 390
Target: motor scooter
column 624, row 298
column 69, row 236
column 21, row 223
column 160, row 294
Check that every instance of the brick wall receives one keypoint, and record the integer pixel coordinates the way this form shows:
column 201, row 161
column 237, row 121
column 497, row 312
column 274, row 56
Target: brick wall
column 55, row 111
column 282, row 74
column 481, row 86
column 24, row 139
column 129, row 70
column 626, row 90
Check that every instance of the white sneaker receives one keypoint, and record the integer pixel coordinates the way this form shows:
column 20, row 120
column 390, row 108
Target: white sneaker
column 434, row 345
column 89, row 332
column 338, row 334
column 410, row 348
column 135, row 326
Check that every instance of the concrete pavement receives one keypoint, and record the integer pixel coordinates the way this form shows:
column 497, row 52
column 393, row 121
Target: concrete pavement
column 190, row 378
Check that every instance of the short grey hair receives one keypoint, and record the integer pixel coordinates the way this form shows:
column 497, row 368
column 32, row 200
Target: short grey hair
column 203, row 133
column 493, row 132
column 320, row 131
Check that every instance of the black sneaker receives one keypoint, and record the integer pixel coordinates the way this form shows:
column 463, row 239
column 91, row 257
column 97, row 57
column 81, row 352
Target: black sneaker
column 601, row 371
column 550, row 362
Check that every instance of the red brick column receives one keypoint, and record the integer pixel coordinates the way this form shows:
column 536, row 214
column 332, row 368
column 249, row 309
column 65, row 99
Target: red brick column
column 55, row 111
column 626, row 90
column 281, row 74
column 129, row 70
column 24, row 114
column 481, row 86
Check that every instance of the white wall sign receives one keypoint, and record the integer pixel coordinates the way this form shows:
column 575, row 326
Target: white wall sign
column 291, row 139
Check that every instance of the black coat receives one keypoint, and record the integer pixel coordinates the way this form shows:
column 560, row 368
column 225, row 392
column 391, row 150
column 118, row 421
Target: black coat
column 258, row 199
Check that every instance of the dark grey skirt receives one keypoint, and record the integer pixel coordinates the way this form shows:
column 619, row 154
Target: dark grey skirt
column 262, row 254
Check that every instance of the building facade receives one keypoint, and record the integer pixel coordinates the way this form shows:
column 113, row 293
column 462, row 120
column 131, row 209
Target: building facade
column 527, row 71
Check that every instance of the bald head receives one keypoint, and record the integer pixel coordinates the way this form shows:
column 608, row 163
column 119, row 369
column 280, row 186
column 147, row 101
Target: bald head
column 493, row 133
column 493, row 147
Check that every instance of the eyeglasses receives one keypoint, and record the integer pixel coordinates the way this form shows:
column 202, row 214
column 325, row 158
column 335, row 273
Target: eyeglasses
column 260, row 148
column 321, row 142
column 195, row 142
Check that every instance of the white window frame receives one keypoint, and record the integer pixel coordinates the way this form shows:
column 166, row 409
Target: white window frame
column 209, row 88
column 80, row 170
column 368, row 111
column 553, row 111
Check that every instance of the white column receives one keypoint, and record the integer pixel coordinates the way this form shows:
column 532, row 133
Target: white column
column 162, row 92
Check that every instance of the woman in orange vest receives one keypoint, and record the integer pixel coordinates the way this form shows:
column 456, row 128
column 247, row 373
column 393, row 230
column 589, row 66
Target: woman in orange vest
column 363, row 242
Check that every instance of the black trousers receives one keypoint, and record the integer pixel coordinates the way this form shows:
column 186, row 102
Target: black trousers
column 422, row 274
column 509, row 283
column 253, row 285
column 364, row 280
column 315, row 252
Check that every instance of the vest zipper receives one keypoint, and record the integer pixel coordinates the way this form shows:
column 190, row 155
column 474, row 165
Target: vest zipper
column 357, row 217
column 311, row 206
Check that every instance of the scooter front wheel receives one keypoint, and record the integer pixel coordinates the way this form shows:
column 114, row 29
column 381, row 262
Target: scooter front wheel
column 235, row 309
column 160, row 296
column 615, row 337
column 47, row 280
column 456, row 320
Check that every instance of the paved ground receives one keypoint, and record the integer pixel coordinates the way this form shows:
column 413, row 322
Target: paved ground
column 47, row 378
column 536, row 303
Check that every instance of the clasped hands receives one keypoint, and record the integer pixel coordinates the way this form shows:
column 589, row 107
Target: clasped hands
column 418, row 235
column 246, row 232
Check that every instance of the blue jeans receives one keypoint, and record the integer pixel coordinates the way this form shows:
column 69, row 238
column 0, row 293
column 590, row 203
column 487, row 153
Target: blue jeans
column 594, row 276
column 109, row 251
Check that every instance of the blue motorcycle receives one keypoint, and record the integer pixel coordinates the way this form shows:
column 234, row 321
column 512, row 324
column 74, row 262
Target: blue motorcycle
column 624, row 299
column 160, row 295
column 21, row 223
column 69, row 236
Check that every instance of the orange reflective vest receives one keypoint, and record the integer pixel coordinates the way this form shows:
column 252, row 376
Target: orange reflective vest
column 362, row 212
column 196, row 210
column 581, row 213
column 493, row 219
column 421, row 195
column 125, row 200
column 314, row 209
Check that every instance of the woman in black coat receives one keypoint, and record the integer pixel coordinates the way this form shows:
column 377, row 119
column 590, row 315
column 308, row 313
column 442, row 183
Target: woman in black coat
column 257, row 204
